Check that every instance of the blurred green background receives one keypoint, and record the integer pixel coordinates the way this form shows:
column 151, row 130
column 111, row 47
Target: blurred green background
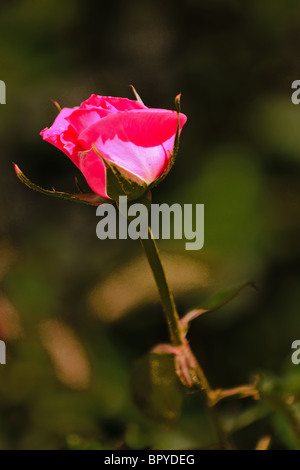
column 77, row 312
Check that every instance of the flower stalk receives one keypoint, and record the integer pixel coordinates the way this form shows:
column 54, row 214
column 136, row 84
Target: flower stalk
column 165, row 292
column 187, row 367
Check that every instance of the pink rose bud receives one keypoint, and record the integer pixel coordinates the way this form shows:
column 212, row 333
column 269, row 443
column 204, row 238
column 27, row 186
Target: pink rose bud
column 119, row 145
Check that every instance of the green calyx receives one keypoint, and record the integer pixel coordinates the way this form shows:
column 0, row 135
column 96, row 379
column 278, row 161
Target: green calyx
column 174, row 152
column 89, row 198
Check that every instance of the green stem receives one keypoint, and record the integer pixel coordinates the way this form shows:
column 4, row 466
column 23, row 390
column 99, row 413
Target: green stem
column 176, row 334
column 165, row 292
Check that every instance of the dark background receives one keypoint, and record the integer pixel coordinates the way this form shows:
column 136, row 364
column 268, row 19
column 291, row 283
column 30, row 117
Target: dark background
column 76, row 312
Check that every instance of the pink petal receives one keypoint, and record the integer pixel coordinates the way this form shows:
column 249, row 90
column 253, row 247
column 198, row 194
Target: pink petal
column 58, row 128
column 82, row 118
column 113, row 104
column 136, row 140
column 124, row 104
column 93, row 169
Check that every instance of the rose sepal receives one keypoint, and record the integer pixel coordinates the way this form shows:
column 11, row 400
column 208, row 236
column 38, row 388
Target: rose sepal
column 175, row 150
column 89, row 197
